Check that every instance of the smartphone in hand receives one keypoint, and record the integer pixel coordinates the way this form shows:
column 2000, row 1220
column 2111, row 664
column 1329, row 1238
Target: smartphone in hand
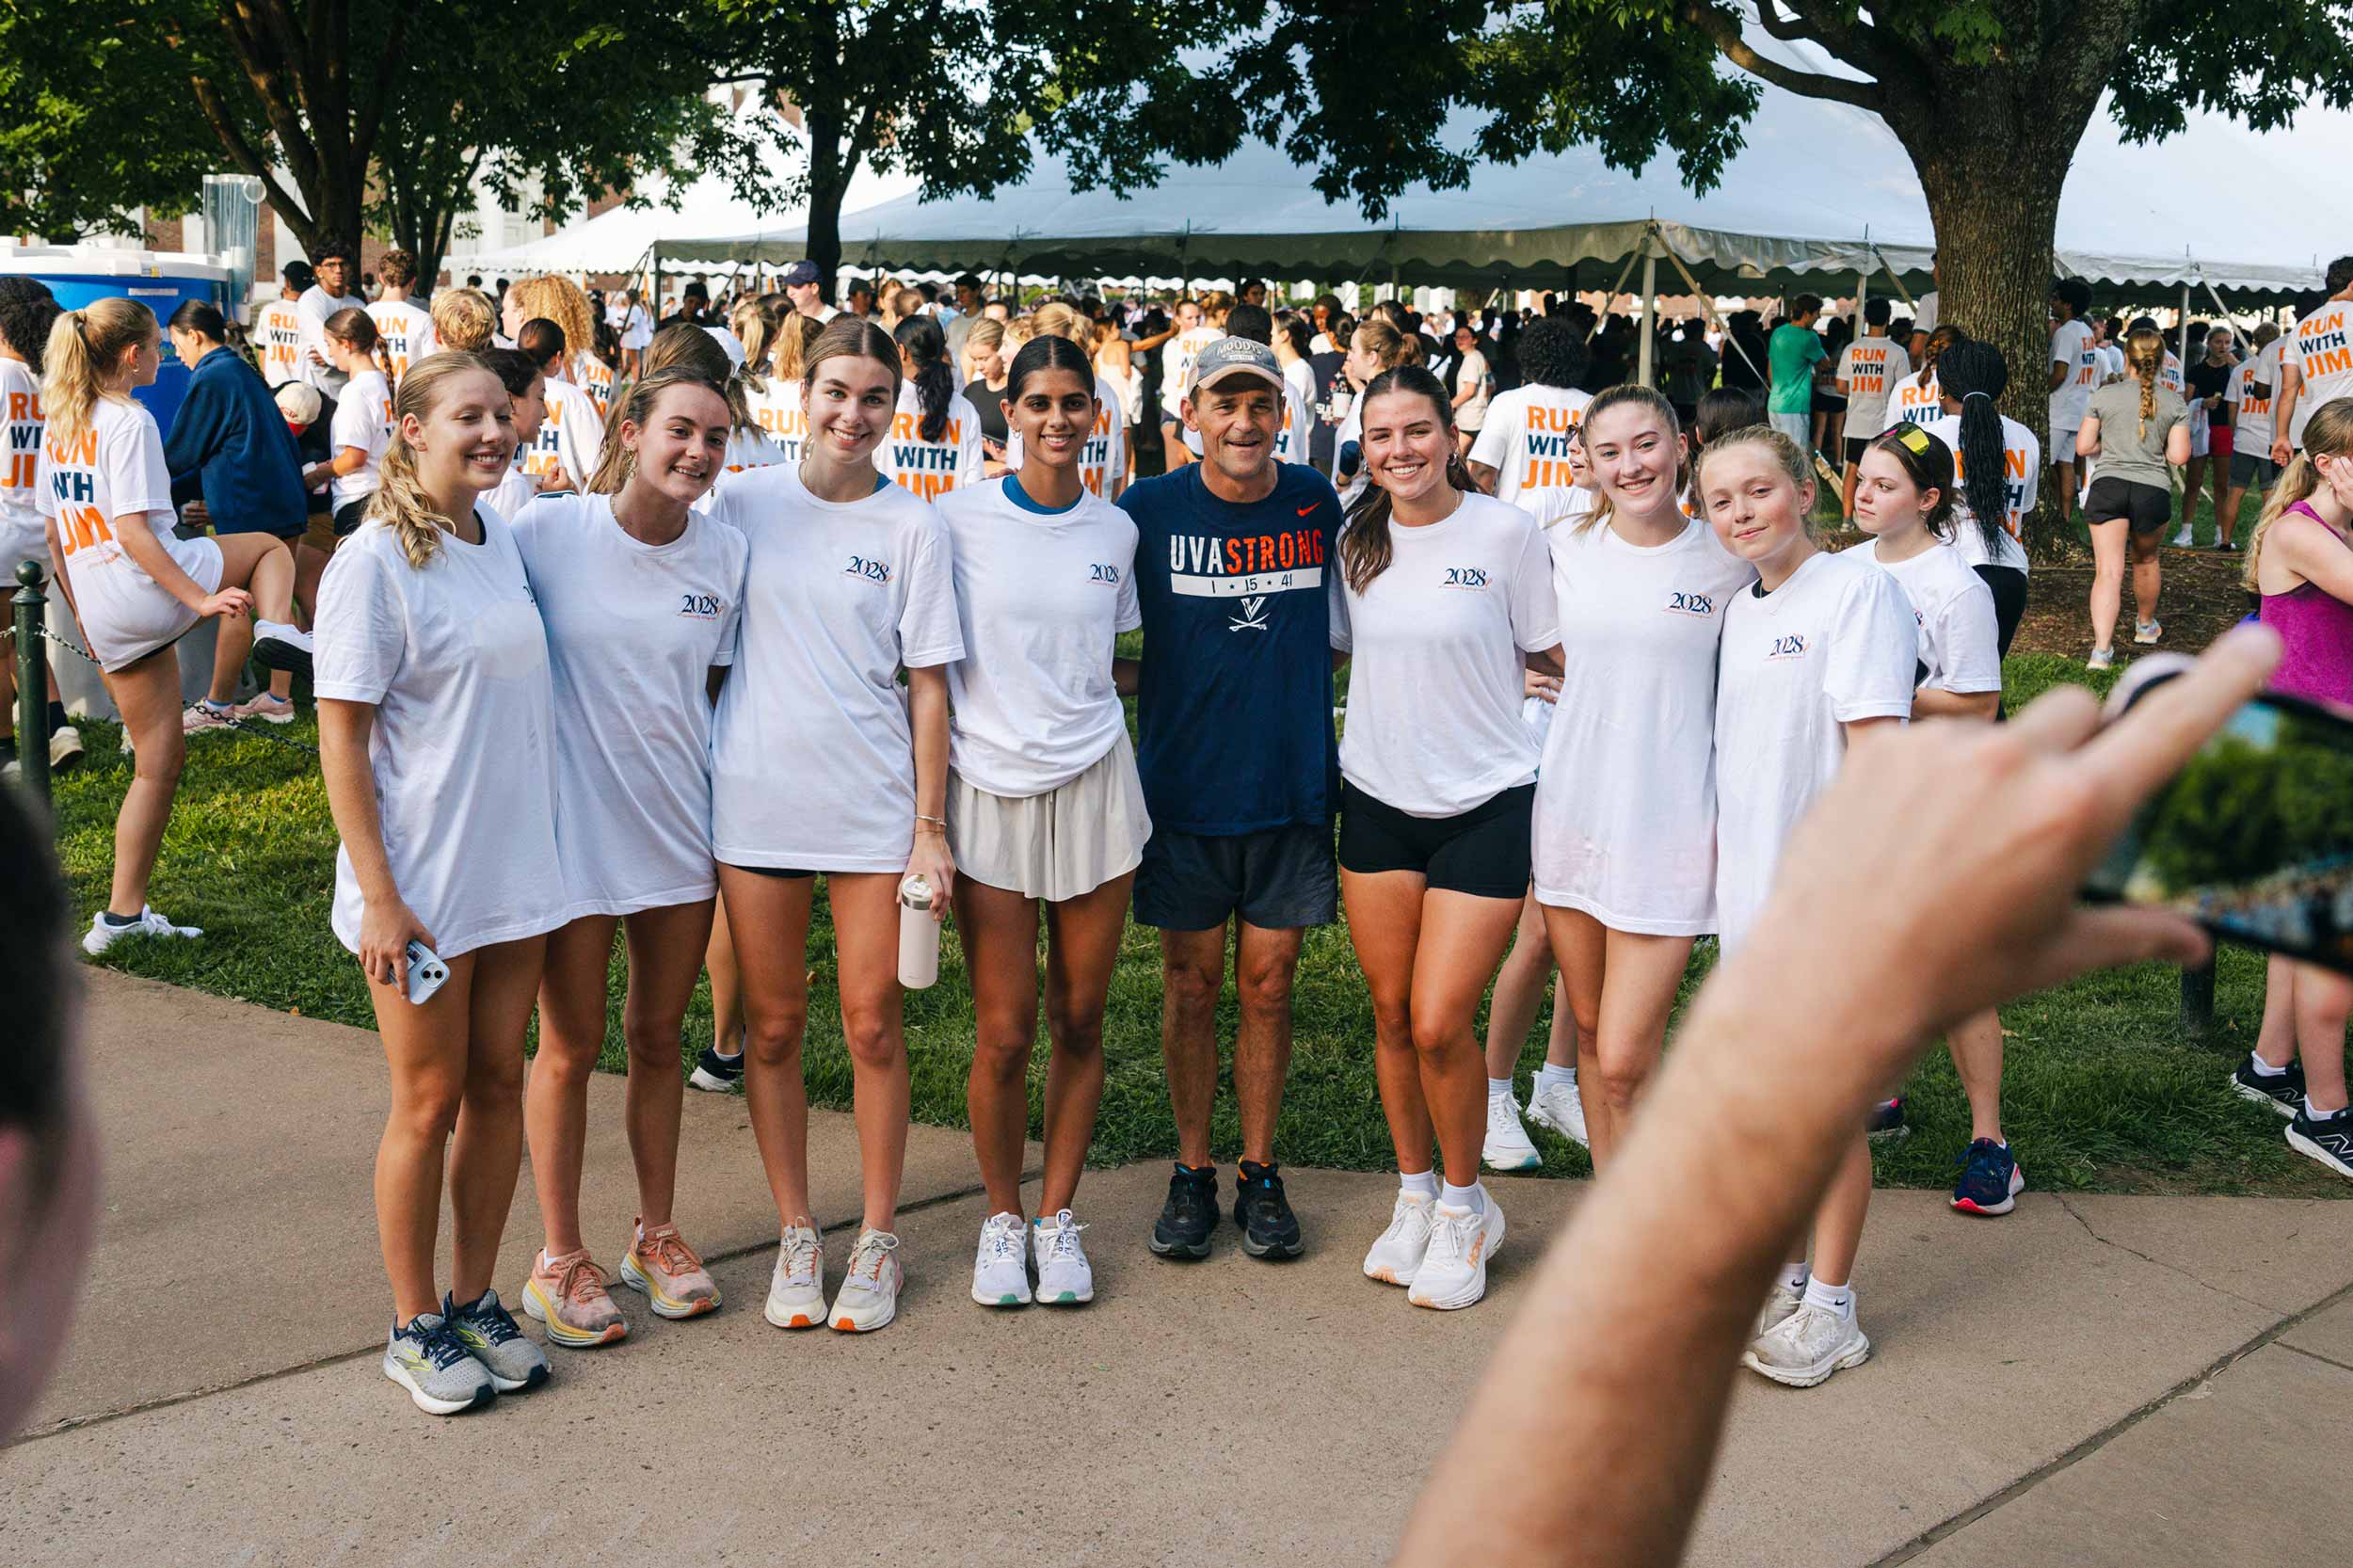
column 2253, row 839
column 426, row 973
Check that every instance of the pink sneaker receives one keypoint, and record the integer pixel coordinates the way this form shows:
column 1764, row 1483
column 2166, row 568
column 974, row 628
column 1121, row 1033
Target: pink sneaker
column 668, row 1272
column 268, row 708
column 201, row 715
column 568, row 1294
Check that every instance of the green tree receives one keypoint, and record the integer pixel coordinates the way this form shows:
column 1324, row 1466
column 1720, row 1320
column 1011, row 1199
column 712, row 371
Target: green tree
column 84, row 139
column 1989, row 97
column 948, row 91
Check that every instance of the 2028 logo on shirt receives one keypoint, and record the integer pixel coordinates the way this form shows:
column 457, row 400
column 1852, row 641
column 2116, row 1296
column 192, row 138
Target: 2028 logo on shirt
column 1473, row 578
column 1790, row 647
column 868, row 568
column 700, row 606
column 1685, row 603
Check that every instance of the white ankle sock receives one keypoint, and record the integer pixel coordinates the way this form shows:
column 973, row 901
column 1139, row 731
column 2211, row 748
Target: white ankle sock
column 1473, row 1197
column 1500, row 1086
column 1794, row 1276
column 1547, row 1076
column 1419, row 1184
column 1830, row 1298
column 2263, row 1068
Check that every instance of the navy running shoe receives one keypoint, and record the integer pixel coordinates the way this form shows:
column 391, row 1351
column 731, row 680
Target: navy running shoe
column 2328, row 1139
column 1990, row 1179
column 718, row 1074
column 1189, row 1215
column 1269, row 1228
column 1886, row 1124
column 2280, row 1092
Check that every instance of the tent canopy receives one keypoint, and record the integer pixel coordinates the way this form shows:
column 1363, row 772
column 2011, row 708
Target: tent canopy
column 1821, row 191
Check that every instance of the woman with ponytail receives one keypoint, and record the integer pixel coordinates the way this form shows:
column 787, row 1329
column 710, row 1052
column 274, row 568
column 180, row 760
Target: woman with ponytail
column 437, row 743
column 1442, row 597
column 1915, row 396
column 640, row 592
column 774, row 395
column 362, row 426
column 132, row 585
column 1045, row 808
column 2136, row 427
column 1376, row 346
column 2300, row 561
column 1625, row 804
column 849, row 583
column 1997, row 462
column 934, row 441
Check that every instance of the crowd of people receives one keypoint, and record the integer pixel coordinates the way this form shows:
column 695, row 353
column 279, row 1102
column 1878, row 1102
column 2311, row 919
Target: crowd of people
column 691, row 609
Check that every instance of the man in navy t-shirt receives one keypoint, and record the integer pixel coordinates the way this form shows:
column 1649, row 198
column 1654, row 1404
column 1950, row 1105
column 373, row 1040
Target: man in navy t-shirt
column 1239, row 770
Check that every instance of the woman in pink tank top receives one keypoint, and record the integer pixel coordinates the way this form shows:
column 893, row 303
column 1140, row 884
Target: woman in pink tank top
column 2300, row 561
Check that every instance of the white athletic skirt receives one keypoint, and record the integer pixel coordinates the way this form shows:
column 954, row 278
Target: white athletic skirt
column 126, row 613
column 1057, row 845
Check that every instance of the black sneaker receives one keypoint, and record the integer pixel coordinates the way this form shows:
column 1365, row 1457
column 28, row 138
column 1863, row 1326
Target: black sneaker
column 2328, row 1139
column 1269, row 1228
column 2282, row 1092
column 1189, row 1215
column 1886, row 1124
column 717, row 1073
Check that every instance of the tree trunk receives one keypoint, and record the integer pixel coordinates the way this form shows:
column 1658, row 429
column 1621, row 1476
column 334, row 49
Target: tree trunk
column 828, row 183
column 1993, row 197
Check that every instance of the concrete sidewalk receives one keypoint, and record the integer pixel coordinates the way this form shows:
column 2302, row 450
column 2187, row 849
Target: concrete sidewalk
column 2091, row 1381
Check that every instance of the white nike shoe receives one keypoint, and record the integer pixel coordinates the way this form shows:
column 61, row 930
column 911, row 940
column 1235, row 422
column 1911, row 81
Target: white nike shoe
column 1001, row 1270
column 1506, row 1147
column 1453, row 1272
column 1559, row 1108
column 1396, row 1256
column 1806, row 1347
column 104, row 933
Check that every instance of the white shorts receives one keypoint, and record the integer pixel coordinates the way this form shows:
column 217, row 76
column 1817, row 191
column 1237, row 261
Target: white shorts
column 19, row 541
column 127, row 616
column 1067, row 842
column 1799, row 427
column 2062, row 448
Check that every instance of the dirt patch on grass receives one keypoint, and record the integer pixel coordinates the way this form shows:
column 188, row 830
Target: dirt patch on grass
column 2200, row 600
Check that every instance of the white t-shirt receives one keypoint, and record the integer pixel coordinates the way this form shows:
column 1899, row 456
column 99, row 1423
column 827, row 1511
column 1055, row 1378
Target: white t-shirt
column 2071, row 345
column 1435, row 683
column 1833, row 644
column 595, row 377
column 1555, row 505
column 1103, row 457
column 2169, row 378
column 570, row 438
column 1472, row 415
column 639, row 331
column 454, row 659
column 776, row 410
column 1176, row 357
column 2112, row 362
column 2322, row 346
column 363, row 418
column 1526, row 435
column 1871, row 367
column 407, row 333
column 1294, row 433
column 1625, row 801
column 1916, row 399
column 116, row 468
column 2022, row 458
column 728, row 341
column 2251, row 430
column 1924, row 312
column 313, row 308
column 1959, row 636
column 1040, row 598
column 278, row 341
column 932, row 469
column 23, row 535
column 1300, row 377
column 839, row 597
column 514, row 491
column 632, row 629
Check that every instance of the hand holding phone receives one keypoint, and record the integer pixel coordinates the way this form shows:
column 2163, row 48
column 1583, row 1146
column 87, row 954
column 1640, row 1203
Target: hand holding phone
column 426, row 973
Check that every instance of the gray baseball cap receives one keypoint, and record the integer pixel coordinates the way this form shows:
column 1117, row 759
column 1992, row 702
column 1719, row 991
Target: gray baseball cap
column 1232, row 356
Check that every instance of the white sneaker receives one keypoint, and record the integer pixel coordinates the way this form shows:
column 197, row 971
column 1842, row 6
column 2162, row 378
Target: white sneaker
column 279, row 647
column 65, row 749
column 2148, row 631
column 796, row 1292
column 1506, row 1147
column 103, row 933
column 1453, row 1272
column 1806, row 1347
column 1000, row 1271
column 1781, row 1301
column 1396, row 1257
column 1560, row 1109
column 1064, row 1278
column 869, row 1297
column 2102, row 658
column 2182, row 538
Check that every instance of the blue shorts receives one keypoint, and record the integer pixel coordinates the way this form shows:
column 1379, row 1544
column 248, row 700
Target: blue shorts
column 1278, row 880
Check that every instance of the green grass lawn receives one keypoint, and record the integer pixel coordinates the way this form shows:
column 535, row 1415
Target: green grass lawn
column 2104, row 1091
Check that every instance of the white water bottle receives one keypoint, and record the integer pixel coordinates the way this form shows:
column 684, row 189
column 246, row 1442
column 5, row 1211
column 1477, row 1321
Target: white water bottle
column 918, row 935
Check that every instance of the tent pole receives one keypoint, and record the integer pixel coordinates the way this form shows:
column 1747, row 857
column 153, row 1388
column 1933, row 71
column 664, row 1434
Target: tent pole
column 2184, row 335
column 1649, row 358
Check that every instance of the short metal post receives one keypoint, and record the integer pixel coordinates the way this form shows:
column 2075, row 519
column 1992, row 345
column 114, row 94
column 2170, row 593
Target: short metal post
column 32, row 680
column 2197, row 999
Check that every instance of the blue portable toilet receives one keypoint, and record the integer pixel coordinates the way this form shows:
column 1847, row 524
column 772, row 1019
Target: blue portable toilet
column 80, row 275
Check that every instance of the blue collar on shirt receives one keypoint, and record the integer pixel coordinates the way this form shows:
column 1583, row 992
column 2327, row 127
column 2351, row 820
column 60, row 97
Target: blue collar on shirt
column 1021, row 498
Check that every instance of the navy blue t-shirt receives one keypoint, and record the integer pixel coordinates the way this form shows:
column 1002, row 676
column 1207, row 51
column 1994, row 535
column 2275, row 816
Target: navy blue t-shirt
column 1233, row 707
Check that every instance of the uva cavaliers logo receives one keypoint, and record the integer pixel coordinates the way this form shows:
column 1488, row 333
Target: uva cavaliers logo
column 1680, row 602
column 1253, row 616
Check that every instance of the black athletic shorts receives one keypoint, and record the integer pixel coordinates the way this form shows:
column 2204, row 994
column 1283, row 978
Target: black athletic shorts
column 2145, row 507
column 1856, row 447
column 1484, row 852
column 1278, row 880
column 766, row 871
column 2253, row 468
column 2009, row 607
column 349, row 516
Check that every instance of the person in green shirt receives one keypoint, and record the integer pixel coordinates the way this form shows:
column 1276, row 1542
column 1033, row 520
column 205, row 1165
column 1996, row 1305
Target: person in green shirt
column 1796, row 351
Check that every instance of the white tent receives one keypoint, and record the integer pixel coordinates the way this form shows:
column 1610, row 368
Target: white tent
column 1821, row 191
